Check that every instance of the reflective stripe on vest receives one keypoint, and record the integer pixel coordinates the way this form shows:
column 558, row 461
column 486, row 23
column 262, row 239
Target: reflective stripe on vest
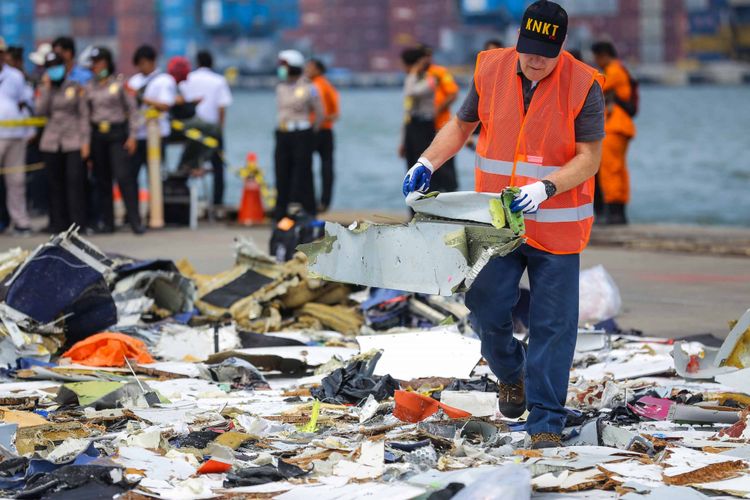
column 500, row 167
column 574, row 214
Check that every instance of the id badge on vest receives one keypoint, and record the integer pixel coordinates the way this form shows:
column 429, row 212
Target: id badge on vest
column 536, row 160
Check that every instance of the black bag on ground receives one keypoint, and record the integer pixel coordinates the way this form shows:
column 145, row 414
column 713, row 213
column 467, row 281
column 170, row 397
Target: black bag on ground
column 176, row 200
column 292, row 231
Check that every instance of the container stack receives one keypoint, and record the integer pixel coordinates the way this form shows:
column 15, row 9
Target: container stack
column 81, row 19
column 383, row 29
column 284, row 14
column 16, row 23
column 674, row 27
column 493, row 13
column 52, row 19
column 179, row 21
column 741, row 16
column 709, row 33
column 254, row 18
column 136, row 25
column 645, row 31
column 607, row 19
column 421, row 21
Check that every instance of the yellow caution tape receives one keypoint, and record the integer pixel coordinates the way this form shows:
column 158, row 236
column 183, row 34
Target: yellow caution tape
column 191, row 133
column 34, row 121
column 22, row 168
column 251, row 170
column 152, row 113
column 195, row 135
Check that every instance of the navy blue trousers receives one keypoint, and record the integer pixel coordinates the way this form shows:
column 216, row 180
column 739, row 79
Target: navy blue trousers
column 553, row 328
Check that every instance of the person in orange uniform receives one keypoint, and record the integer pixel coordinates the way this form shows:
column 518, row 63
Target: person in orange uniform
column 324, row 143
column 613, row 179
column 446, row 93
column 542, row 117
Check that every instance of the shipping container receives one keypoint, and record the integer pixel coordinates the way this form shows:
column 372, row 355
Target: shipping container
column 134, row 7
column 16, row 23
column 81, row 27
column 136, row 25
column 651, row 7
column 101, row 9
column 697, row 5
column 742, row 36
column 703, row 22
column 179, row 25
column 52, row 8
column 576, row 8
column 81, row 8
column 741, row 14
column 104, row 26
column 48, row 28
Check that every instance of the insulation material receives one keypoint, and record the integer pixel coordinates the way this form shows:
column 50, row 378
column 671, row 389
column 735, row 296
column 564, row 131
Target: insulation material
column 342, row 319
column 684, row 466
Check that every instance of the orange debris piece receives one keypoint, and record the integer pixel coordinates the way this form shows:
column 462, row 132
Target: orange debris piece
column 413, row 407
column 108, row 349
column 214, row 466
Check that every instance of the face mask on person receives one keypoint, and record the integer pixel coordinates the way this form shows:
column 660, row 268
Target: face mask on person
column 56, row 73
column 282, row 72
column 103, row 74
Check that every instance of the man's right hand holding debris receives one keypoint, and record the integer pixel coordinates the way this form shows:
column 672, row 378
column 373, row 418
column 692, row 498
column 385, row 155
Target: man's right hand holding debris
column 418, row 177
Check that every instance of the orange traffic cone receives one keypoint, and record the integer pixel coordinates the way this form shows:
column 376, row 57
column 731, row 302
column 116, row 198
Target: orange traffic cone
column 251, row 206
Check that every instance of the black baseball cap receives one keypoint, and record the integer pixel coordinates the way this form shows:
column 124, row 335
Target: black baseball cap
column 52, row 59
column 100, row 53
column 543, row 29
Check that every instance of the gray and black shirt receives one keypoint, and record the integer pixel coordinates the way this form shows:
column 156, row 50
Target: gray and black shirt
column 589, row 124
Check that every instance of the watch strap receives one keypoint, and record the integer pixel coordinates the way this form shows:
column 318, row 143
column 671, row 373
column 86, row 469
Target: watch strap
column 550, row 188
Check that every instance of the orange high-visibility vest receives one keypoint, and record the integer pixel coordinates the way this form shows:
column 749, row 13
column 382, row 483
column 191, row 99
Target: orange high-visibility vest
column 617, row 120
column 446, row 87
column 516, row 149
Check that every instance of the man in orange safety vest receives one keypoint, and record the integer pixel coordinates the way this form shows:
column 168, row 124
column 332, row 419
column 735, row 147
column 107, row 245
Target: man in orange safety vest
column 542, row 117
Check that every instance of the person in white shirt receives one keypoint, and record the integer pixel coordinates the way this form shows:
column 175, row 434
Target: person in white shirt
column 153, row 89
column 13, row 94
column 212, row 93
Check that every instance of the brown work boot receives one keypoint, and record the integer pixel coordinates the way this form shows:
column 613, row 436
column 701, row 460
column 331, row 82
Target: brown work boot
column 511, row 399
column 545, row 440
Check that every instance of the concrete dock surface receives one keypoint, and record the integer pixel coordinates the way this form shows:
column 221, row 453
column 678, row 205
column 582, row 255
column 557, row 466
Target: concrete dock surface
column 670, row 287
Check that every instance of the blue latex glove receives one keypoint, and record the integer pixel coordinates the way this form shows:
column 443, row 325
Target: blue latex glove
column 529, row 198
column 418, row 177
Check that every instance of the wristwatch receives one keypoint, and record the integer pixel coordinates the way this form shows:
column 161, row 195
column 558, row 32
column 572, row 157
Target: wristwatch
column 550, row 188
